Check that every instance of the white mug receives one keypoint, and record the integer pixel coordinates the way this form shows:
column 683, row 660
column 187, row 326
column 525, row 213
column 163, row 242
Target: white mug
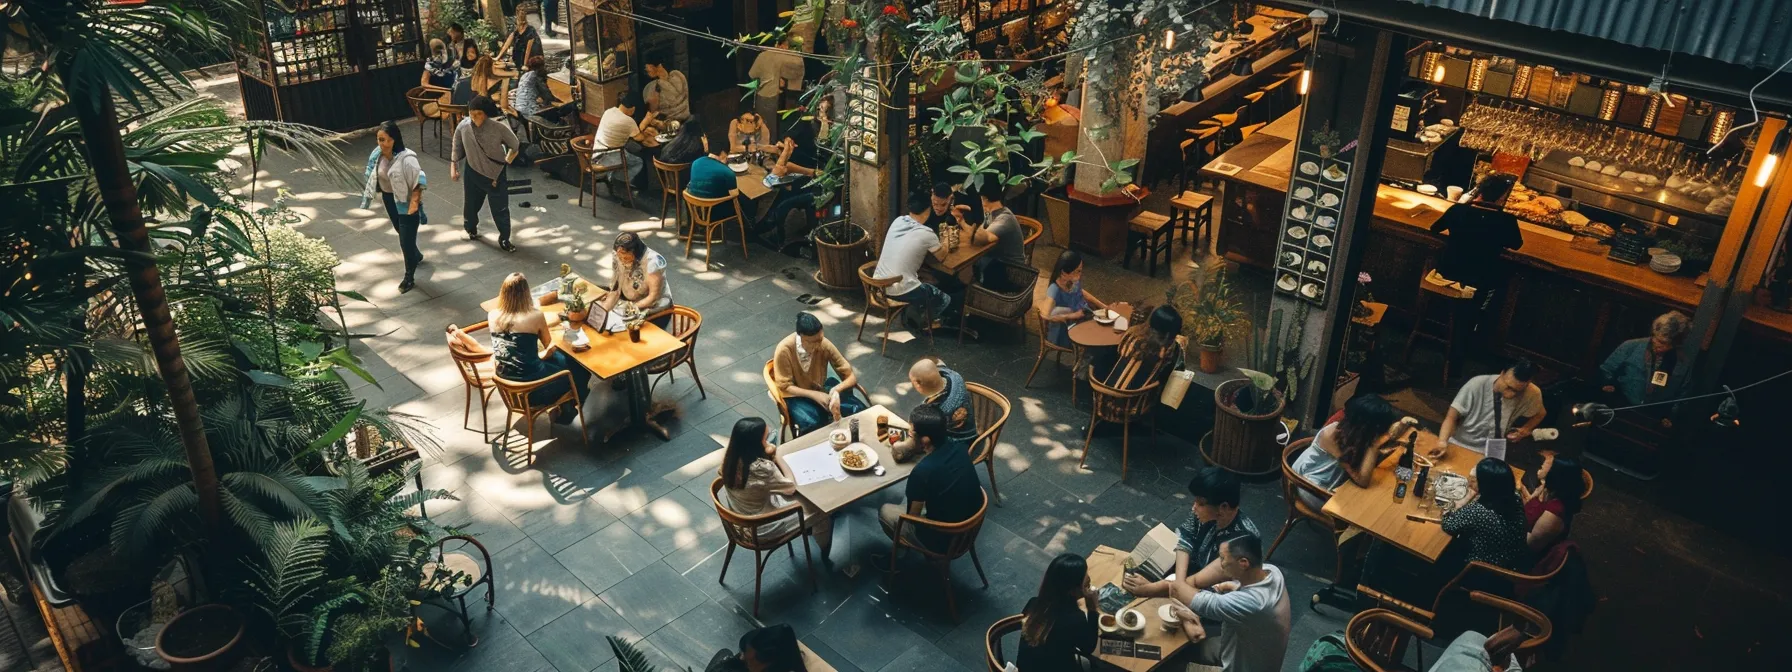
column 1453, row 192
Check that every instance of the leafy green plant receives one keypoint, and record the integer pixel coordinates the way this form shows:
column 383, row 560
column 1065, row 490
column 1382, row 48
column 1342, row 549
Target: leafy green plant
column 1277, row 364
column 1211, row 306
column 290, row 587
column 629, row 657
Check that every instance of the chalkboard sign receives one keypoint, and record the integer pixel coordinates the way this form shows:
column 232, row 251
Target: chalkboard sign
column 1629, row 247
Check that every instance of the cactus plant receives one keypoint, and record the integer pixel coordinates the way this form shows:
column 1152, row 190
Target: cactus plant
column 1276, row 360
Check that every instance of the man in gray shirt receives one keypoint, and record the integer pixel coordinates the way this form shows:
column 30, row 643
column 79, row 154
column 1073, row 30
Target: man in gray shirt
column 1505, row 406
column 1253, row 606
column 487, row 146
column 999, row 225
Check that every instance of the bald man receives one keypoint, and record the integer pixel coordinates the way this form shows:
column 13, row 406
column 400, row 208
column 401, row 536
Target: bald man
column 944, row 388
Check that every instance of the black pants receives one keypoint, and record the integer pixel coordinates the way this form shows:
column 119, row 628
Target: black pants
column 406, row 226
column 478, row 188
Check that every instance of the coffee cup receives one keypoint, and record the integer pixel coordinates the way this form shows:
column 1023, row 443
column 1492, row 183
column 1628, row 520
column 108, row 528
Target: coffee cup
column 1453, row 192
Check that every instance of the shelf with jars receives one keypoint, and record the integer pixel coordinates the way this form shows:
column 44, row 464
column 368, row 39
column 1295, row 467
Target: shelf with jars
column 304, row 58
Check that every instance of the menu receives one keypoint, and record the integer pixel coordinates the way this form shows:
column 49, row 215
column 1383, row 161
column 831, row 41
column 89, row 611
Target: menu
column 816, row 464
column 864, row 109
column 1310, row 218
column 1120, row 646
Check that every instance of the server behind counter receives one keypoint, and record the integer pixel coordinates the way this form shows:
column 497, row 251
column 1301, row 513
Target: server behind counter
column 1479, row 232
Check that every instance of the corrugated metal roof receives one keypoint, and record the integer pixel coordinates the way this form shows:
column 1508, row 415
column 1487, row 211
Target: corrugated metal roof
column 1753, row 33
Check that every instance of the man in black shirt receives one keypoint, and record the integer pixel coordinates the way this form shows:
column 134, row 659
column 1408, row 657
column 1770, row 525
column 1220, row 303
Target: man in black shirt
column 951, row 206
column 1479, row 232
column 943, row 486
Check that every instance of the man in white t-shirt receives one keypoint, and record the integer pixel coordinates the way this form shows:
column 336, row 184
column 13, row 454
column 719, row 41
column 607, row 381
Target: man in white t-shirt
column 906, row 246
column 1252, row 609
column 617, row 128
column 1503, row 407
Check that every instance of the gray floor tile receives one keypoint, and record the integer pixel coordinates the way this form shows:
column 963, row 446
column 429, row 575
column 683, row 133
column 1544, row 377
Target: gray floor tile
column 533, row 587
column 693, row 638
column 925, row 657
column 653, row 597
column 862, row 631
column 674, row 521
column 561, row 525
column 608, row 556
column 577, row 640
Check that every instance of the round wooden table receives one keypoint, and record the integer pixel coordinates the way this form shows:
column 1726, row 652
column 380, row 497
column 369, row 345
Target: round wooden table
column 1092, row 334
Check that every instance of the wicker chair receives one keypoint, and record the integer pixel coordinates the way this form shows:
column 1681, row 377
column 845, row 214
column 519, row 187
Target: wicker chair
column 743, row 532
column 877, row 296
column 686, row 322
column 1293, row 484
column 1122, row 406
column 591, row 173
column 702, row 211
column 477, row 371
column 672, row 179
column 1008, row 308
column 961, row 538
column 1033, row 229
column 426, row 106
column 991, row 410
column 516, row 399
column 992, row 641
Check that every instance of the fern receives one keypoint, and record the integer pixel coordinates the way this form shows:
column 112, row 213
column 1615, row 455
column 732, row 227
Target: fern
column 629, row 658
column 290, row 586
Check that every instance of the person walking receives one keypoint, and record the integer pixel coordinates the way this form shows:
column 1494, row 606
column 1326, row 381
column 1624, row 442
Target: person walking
column 487, row 146
column 398, row 174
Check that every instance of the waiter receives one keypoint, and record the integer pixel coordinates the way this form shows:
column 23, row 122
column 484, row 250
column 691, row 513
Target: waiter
column 1479, row 232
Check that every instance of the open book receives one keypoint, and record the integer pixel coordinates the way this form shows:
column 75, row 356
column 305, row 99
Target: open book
column 1155, row 555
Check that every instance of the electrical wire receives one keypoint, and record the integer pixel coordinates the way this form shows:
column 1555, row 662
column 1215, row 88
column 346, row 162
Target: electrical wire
column 1731, row 392
column 1751, row 108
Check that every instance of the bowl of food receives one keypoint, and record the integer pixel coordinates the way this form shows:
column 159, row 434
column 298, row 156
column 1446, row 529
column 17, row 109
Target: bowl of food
column 858, row 457
column 839, row 438
column 1105, row 316
column 1167, row 614
column 1132, row 621
column 1108, row 623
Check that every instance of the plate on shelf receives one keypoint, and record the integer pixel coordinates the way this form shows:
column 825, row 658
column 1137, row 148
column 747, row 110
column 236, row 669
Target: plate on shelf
column 1288, row 283
column 1327, row 222
column 1302, row 213
column 1309, row 168
column 1316, row 267
column 1309, row 290
column 1304, row 193
column 1297, row 232
column 1322, row 240
column 1329, row 200
column 1291, row 259
column 1333, row 174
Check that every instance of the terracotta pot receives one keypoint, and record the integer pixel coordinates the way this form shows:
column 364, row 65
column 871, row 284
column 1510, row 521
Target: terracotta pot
column 202, row 639
column 1212, row 357
column 577, row 317
column 292, row 660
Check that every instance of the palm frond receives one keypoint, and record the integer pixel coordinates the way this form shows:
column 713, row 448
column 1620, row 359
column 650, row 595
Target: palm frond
column 139, row 525
column 628, row 657
column 246, row 516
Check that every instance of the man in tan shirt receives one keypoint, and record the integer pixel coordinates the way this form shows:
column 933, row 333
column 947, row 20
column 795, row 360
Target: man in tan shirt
column 800, row 370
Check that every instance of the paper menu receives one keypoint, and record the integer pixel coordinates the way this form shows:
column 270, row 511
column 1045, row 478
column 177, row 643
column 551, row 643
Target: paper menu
column 815, row 464
column 1155, row 554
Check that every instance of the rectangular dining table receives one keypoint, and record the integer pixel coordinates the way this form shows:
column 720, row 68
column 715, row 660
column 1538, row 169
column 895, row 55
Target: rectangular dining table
column 1374, row 510
column 958, row 262
column 1108, row 565
column 831, row 496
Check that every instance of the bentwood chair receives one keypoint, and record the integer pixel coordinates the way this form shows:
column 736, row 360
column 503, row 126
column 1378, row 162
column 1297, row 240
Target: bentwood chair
column 1511, row 613
column 1121, row 406
column 1473, row 576
column 743, row 532
column 426, row 106
column 465, row 572
column 992, row 641
column 1047, row 347
column 786, row 427
column 1294, row 486
column 590, row 172
column 877, row 296
column 1033, row 229
column 960, row 538
column 672, row 178
column 477, row 372
column 684, row 325
column 516, row 400
column 703, row 216
column 1007, row 308
column 1377, row 640
column 991, row 410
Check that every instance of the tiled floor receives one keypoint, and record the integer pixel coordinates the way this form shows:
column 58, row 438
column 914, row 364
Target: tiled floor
column 621, row 540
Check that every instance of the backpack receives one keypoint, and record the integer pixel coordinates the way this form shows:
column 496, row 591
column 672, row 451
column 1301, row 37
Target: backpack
column 1328, row 654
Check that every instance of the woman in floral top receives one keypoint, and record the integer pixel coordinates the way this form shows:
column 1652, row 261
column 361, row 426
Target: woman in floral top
column 639, row 278
column 1493, row 524
column 756, row 481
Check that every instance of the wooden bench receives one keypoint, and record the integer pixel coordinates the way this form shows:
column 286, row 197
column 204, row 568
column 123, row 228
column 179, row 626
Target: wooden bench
column 1150, row 233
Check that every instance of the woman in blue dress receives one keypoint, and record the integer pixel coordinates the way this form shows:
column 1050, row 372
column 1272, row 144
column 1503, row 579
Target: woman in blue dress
column 523, row 347
column 1066, row 302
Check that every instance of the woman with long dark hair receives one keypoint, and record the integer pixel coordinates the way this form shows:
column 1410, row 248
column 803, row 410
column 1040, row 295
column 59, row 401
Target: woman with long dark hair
column 1055, row 633
column 1549, row 512
column 1351, row 447
column 755, row 481
column 1148, row 353
column 1493, row 524
column 690, row 143
column 398, row 175
column 1065, row 302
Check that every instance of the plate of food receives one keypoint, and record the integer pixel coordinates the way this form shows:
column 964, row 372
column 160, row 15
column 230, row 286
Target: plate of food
column 1327, row 222
column 858, row 457
column 1309, row 290
column 1322, row 240
column 1333, row 174
column 1309, row 168
column 1297, row 232
column 1304, row 193
column 1288, row 283
column 1316, row 267
column 1291, row 259
column 1105, row 316
column 739, row 168
column 1303, row 213
column 1329, row 200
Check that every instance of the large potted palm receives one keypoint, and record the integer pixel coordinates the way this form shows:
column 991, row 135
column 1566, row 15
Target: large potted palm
column 840, row 248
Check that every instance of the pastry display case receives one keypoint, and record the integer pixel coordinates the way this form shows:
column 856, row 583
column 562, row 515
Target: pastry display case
column 302, row 59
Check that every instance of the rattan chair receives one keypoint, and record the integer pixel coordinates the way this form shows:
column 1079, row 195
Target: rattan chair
column 991, row 410
column 1293, row 484
column 1047, row 347
column 477, row 372
column 1122, row 406
column 672, row 178
column 426, row 106
column 992, row 641
column 702, row 212
column 591, row 173
column 1009, row 308
column 1033, row 229
column 516, row 400
column 685, row 324
column 743, row 532
column 877, row 296
column 960, row 537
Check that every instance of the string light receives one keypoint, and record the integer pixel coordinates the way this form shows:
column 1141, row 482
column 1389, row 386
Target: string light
column 1437, row 73
column 1772, row 160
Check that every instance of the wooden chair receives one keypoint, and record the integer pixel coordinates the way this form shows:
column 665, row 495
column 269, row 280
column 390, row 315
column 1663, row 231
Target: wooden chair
column 672, row 179
column 590, row 172
column 1033, row 229
column 1150, row 234
column 877, row 296
column 1377, row 640
column 426, row 106
column 960, row 537
column 1481, row 574
column 1047, row 347
column 1010, row 308
column 1190, row 215
column 789, row 425
column 743, row 532
column 477, row 372
column 516, row 400
column 991, row 409
column 702, row 212
column 1197, row 151
column 1122, row 406
column 685, row 324
column 477, row 570
column 992, row 641
column 1528, row 620
column 1293, row 484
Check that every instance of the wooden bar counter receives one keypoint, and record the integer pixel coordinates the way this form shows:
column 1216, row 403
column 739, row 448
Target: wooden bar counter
column 1562, row 306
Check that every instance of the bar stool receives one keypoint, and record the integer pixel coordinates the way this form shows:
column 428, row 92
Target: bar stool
column 1453, row 299
column 1190, row 214
column 1150, row 233
column 1196, row 153
column 1275, row 100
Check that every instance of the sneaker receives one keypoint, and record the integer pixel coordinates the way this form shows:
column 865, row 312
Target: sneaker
column 472, row 233
column 407, row 285
column 506, row 246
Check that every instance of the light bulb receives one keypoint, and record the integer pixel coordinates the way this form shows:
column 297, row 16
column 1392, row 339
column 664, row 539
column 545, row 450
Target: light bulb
column 1437, row 73
column 1169, row 40
column 1766, row 171
column 1306, row 80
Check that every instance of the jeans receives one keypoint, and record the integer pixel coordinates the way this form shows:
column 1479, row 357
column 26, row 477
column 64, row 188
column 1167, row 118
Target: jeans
column 927, row 298
column 787, row 200
column 637, row 164
column 550, row 13
column 808, row 415
column 406, row 226
column 478, row 188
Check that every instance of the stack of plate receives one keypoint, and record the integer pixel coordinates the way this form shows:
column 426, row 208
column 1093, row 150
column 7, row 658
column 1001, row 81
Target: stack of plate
column 1665, row 263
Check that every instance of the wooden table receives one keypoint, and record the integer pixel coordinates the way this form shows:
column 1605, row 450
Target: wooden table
column 831, row 496
column 1092, row 334
column 1374, row 510
column 1107, row 565
column 959, row 261
column 751, row 184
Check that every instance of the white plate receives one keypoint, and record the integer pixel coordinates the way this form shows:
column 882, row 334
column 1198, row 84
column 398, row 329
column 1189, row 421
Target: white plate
column 1291, row 259
column 1106, row 316
column 1166, row 614
column 1309, row 290
column 1303, row 213
column 1327, row 222
column 1332, row 174
column 1304, row 193
column 1297, row 232
column 1329, row 200
column 1322, row 240
column 1316, row 267
column 1309, row 168
column 1288, row 283
column 871, row 456
column 738, row 167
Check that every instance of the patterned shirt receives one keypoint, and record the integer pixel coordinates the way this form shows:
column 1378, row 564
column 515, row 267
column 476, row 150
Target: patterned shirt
column 955, row 402
column 1201, row 541
column 1492, row 538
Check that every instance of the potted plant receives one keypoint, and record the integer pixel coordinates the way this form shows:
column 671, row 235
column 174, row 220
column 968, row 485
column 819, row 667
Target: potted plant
column 840, row 248
column 202, row 639
column 1211, row 309
column 577, row 308
column 1327, row 140
column 1250, row 408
